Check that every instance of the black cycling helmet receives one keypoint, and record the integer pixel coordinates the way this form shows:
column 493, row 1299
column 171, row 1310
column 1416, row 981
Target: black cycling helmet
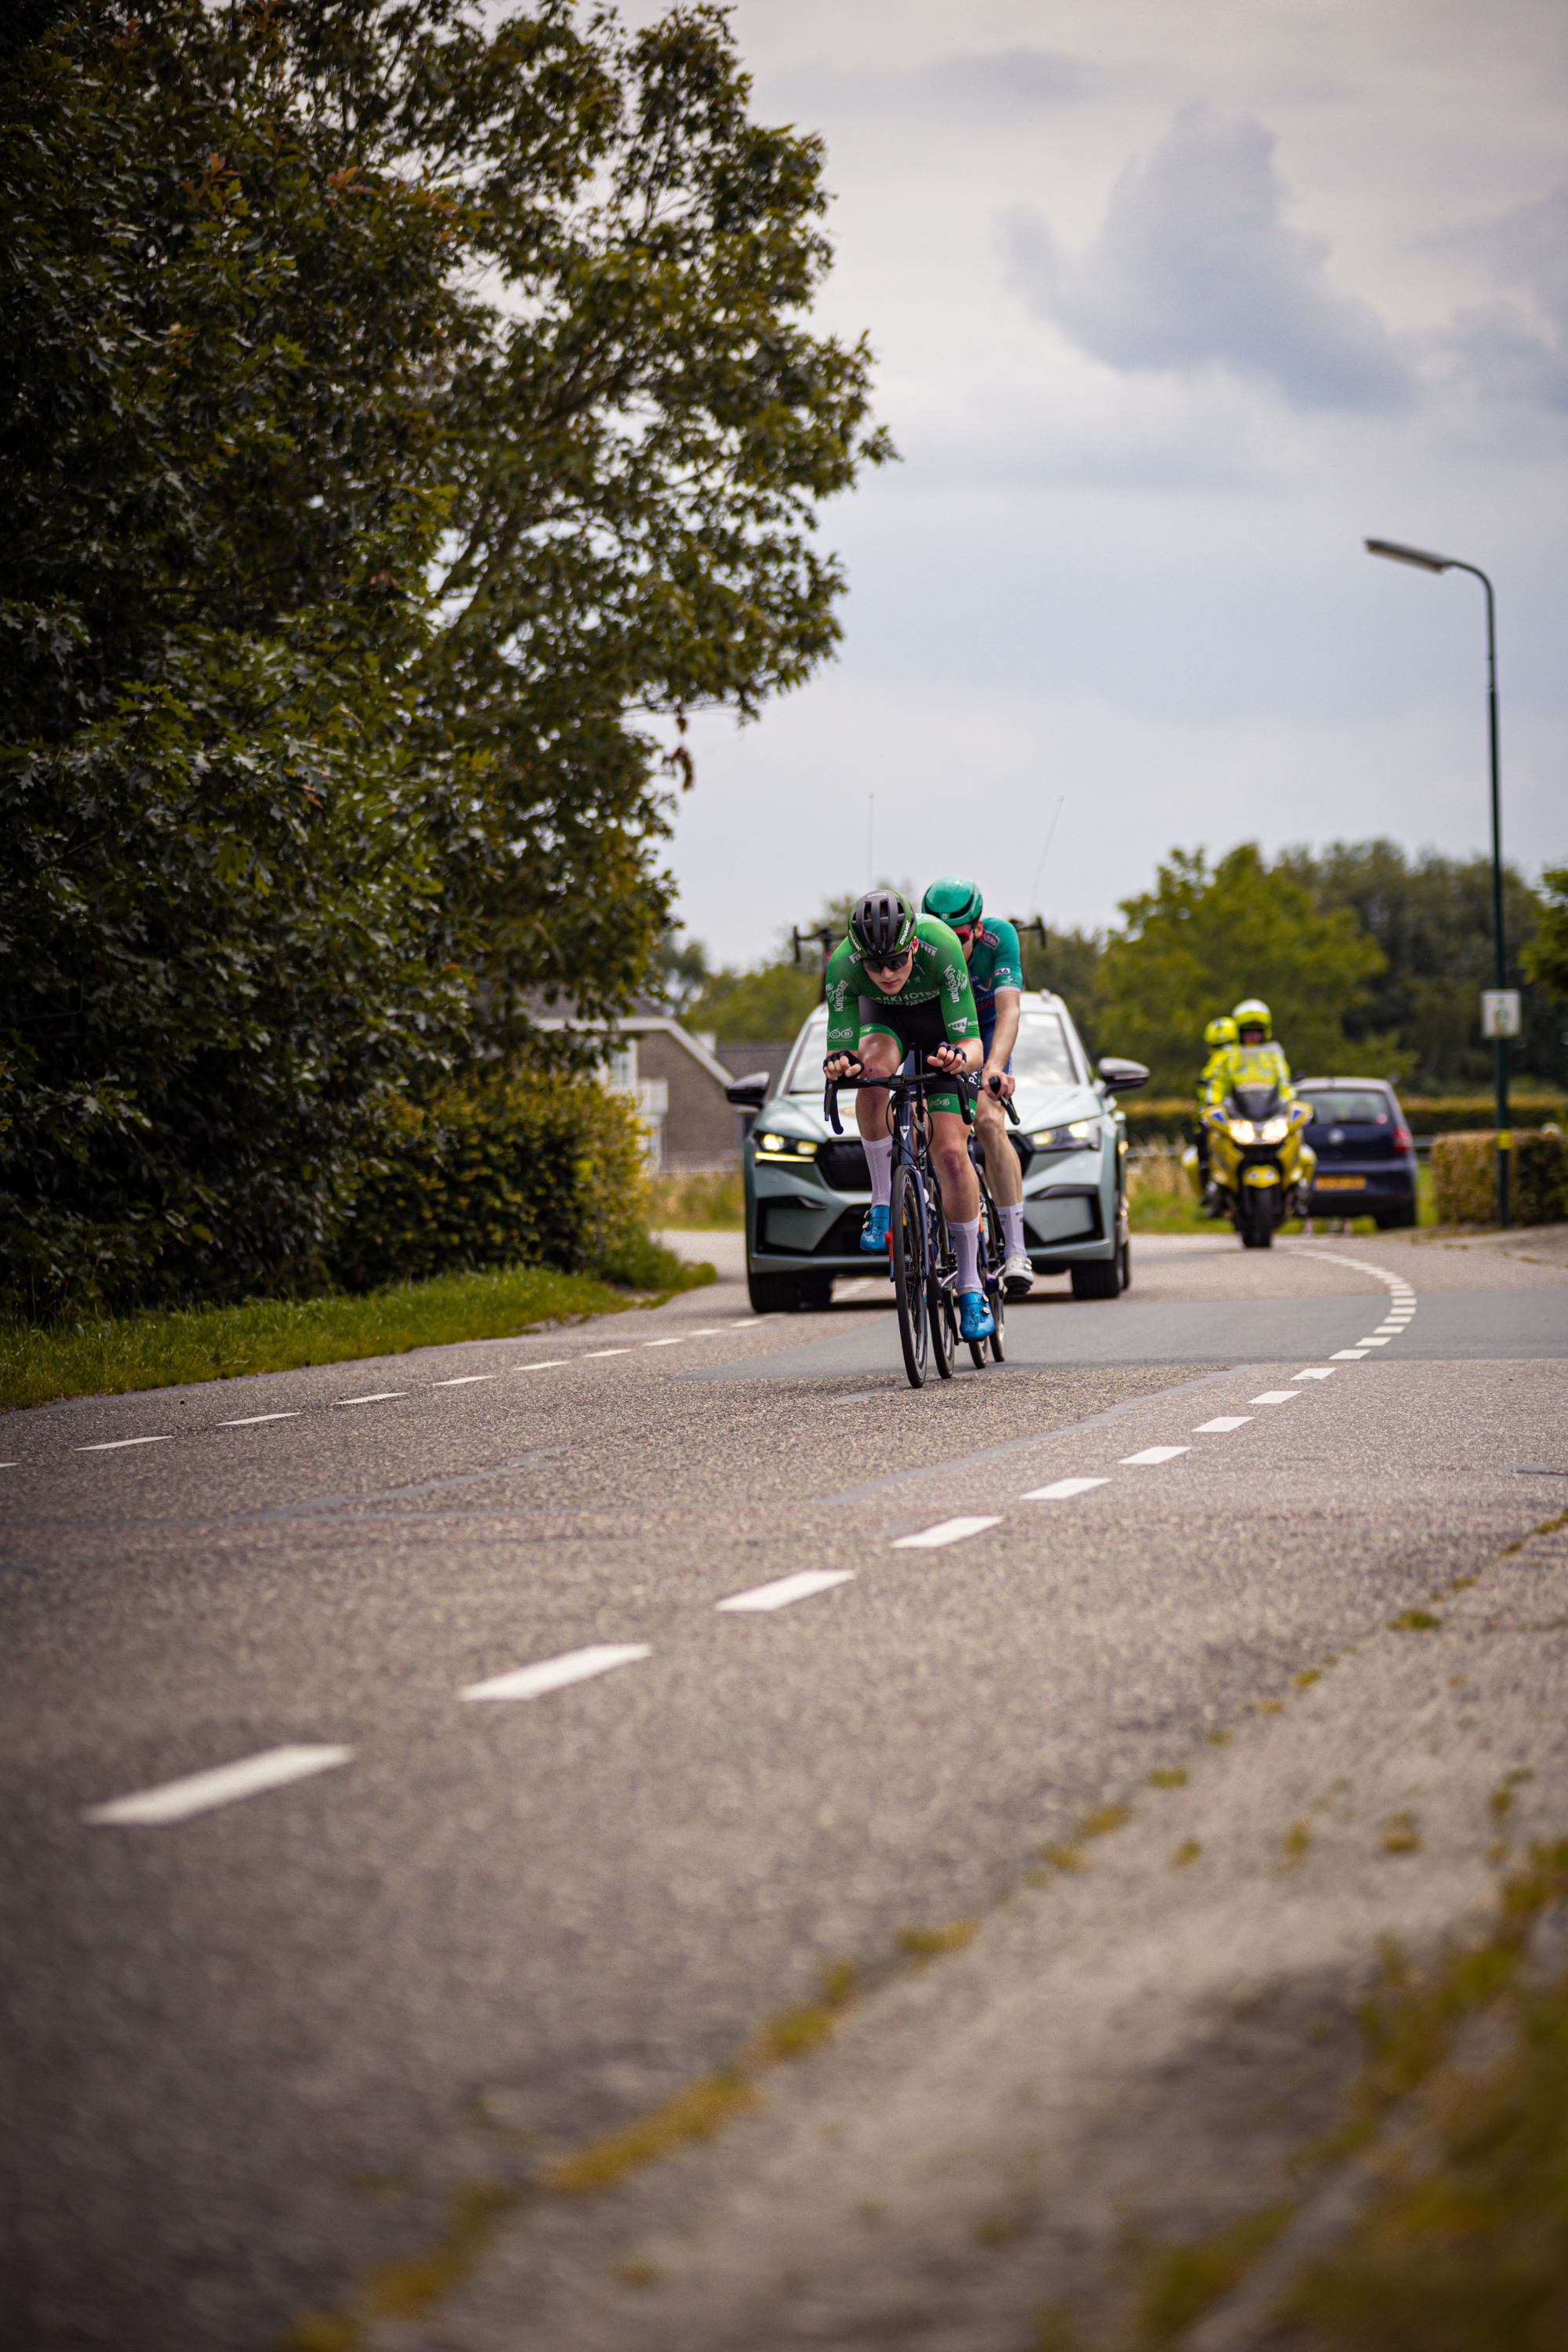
column 954, row 900
column 881, row 925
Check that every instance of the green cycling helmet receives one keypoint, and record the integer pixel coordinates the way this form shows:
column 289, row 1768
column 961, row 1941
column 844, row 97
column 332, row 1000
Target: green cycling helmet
column 1252, row 1013
column 954, row 900
column 1222, row 1031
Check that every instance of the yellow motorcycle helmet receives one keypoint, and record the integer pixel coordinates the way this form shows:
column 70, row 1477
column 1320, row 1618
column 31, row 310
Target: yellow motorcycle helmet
column 1252, row 1013
column 1222, row 1031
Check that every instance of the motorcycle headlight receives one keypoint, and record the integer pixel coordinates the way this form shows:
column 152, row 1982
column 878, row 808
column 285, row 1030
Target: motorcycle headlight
column 1242, row 1131
column 1274, row 1131
column 1078, row 1135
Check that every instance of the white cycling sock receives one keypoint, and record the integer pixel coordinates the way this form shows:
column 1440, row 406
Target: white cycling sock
column 1013, row 1229
column 879, row 1160
column 966, row 1241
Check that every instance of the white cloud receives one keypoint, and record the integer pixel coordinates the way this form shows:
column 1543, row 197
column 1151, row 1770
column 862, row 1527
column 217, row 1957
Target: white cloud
column 964, row 85
column 1195, row 267
column 1504, row 349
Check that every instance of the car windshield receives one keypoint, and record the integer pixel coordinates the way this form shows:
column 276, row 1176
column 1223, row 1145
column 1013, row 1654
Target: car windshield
column 1040, row 1057
column 806, row 1070
column 1345, row 1107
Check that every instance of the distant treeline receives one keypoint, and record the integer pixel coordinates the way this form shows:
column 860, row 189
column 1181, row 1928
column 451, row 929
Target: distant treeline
column 1371, row 961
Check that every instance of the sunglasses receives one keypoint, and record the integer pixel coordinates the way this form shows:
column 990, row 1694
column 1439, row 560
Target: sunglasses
column 887, row 963
column 962, row 932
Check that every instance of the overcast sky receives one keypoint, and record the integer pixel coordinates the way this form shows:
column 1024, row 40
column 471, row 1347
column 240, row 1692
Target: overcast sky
column 1175, row 302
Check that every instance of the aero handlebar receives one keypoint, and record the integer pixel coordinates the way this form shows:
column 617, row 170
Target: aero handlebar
column 967, row 1083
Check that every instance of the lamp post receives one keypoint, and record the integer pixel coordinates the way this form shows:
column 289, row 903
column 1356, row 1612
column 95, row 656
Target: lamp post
column 1426, row 562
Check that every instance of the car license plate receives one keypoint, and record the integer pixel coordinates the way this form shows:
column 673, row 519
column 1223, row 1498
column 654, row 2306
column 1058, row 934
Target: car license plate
column 1338, row 1184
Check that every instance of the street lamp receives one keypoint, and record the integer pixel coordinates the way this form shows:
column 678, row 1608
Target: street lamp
column 1426, row 563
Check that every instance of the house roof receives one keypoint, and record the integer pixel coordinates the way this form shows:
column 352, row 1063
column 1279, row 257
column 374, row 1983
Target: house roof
column 638, row 1024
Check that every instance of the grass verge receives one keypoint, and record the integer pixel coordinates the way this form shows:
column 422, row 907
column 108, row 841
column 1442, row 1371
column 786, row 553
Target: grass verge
column 1466, row 2250
column 108, row 1356
column 1465, row 2245
column 703, row 1200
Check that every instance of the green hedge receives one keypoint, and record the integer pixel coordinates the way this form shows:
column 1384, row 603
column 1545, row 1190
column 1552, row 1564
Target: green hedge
column 513, row 1170
column 1464, row 1177
column 1152, row 1118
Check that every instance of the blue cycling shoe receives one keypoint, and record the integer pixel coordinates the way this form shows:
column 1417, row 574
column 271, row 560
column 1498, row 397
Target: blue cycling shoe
column 975, row 1320
column 873, row 1232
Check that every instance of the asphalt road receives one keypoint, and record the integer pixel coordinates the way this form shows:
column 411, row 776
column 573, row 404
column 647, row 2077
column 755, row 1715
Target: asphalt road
column 452, row 1916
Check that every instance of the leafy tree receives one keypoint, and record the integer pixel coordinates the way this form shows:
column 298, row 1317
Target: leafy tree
column 222, row 935
column 1432, row 917
column 1203, row 939
column 1069, row 965
column 772, row 999
column 1546, row 958
column 337, row 598
column 679, row 971
column 640, row 436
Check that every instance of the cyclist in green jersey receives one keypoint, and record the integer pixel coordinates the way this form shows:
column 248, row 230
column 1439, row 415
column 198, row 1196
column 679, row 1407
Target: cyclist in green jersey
column 897, row 986
column 995, row 964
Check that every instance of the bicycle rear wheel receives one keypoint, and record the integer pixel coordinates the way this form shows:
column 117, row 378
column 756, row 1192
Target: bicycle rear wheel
column 991, row 1260
column 938, row 1293
column 907, row 1225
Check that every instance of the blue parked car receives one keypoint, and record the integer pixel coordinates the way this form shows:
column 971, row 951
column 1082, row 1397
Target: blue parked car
column 1366, row 1160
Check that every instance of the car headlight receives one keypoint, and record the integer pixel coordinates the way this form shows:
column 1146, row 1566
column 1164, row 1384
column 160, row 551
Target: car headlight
column 1078, row 1135
column 1274, row 1131
column 784, row 1147
column 1243, row 1131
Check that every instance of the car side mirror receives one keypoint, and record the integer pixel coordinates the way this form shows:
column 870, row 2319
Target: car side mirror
column 1123, row 1077
column 750, row 1093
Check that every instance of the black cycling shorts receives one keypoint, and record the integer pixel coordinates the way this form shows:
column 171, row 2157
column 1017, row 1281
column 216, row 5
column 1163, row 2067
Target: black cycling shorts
column 916, row 1028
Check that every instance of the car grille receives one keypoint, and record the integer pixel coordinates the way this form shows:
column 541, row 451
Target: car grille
column 843, row 1165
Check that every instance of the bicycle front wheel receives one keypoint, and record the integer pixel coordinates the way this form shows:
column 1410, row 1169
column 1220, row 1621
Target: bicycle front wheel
column 907, row 1228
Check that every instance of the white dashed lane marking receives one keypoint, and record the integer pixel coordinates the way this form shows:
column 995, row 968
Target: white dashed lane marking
column 550, row 1364
column 378, row 1396
column 255, row 1420
column 467, row 1380
column 591, row 1353
column 1315, row 1372
column 202, row 1792
column 785, row 1589
column 947, row 1531
column 557, row 1674
column 1061, row 1490
column 1275, row 1396
column 1221, row 1423
column 1152, row 1454
column 113, row 1444
column 679, row 1341
column 1349, row 1355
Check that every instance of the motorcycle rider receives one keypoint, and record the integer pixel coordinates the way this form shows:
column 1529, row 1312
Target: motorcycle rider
column 1254, row 1052
column 996, row 977
column 1219, row 1036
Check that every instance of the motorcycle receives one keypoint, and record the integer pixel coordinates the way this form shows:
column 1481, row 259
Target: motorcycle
column 1260, row 1165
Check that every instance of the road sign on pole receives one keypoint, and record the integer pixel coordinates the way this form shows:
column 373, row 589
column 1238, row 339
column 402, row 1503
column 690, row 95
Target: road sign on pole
column 1499, row 1013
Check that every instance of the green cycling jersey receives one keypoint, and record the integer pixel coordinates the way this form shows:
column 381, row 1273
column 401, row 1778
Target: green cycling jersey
column 937, row 976
column 994, row 961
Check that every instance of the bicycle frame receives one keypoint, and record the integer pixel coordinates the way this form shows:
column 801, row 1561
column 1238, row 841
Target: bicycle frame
column 930, row 1298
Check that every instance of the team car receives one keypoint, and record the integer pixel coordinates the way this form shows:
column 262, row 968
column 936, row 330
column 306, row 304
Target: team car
column 808, row 1189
